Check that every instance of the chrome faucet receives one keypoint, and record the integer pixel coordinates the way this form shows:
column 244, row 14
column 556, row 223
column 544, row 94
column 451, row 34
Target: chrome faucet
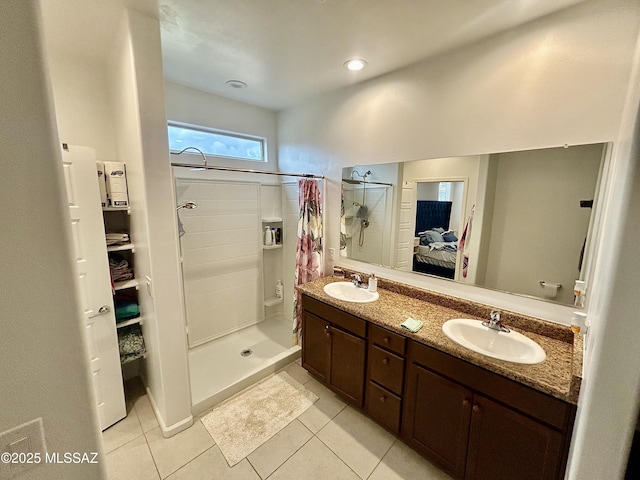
column 494, row 323
column 357, row 281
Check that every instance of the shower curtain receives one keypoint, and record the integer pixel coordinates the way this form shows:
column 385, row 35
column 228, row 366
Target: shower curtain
column 309, row 263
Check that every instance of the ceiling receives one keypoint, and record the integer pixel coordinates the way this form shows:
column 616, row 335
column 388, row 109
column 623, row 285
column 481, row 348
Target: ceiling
column 289, row 50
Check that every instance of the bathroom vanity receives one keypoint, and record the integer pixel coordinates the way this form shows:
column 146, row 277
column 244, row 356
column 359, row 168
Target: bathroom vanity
column 475, row 416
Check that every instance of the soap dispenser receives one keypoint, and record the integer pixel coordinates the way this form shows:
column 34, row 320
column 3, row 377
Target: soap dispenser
column 373, row 283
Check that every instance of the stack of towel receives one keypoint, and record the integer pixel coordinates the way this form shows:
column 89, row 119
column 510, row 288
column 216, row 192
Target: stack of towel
column 116, row 238
column 119, row 269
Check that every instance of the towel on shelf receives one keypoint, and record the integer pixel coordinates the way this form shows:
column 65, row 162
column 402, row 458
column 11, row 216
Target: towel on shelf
column 119, row 269
column 126, row 310
column 131, row 343
column 411, row 324
column 116, row 238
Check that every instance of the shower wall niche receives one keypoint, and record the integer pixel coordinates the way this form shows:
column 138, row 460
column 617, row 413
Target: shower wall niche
column 272, row 255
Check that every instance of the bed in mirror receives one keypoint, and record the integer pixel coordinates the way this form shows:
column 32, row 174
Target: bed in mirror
column 517, row 222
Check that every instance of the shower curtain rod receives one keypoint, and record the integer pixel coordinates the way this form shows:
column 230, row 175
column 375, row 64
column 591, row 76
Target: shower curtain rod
column 360, row 182
column 244, row 170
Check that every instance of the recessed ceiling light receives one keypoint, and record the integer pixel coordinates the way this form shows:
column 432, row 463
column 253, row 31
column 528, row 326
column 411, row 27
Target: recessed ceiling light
column 236, row 84
column 355, row 64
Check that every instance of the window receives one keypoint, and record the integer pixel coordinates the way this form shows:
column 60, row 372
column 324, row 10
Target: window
column 444, row 191
column 216, row 143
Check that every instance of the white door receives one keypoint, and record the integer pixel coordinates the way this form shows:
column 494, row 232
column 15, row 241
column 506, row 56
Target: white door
column 92, row 268
column 406, row 226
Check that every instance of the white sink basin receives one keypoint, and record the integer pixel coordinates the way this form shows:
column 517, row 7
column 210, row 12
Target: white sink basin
column 512, row 346
column 348, row 292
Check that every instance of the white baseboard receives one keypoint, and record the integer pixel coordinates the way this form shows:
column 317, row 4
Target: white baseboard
column 171, row 430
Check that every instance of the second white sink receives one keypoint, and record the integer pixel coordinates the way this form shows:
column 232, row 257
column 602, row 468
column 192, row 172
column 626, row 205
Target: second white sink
column 512, row 346
column 348, row 292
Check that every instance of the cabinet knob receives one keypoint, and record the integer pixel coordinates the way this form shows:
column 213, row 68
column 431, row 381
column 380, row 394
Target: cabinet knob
column 466, row 402
column 476, row 408
column 383, row 398
column 327, row 330
column 386, row 340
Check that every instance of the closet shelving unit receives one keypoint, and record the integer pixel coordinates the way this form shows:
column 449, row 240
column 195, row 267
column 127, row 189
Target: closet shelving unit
column 117, row 220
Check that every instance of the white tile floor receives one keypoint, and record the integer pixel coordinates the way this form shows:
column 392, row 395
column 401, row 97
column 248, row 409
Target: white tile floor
column 331, row 440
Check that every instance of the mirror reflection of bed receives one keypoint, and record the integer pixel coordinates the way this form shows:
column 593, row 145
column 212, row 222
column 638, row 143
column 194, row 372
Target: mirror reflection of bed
column 437, row 245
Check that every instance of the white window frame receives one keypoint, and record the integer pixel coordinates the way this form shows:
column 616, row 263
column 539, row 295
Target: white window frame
column 224, row 133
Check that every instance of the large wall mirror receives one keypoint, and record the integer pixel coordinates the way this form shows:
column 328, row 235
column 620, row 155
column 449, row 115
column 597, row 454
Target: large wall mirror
column 517, row 222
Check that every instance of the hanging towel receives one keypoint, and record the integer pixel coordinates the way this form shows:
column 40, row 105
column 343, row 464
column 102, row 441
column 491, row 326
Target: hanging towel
column 464, row 243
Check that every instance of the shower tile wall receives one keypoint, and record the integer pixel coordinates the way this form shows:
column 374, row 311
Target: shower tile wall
column 221, row 257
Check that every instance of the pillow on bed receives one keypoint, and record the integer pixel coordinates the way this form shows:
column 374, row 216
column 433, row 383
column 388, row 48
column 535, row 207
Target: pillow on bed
column 449, row 236
column 430, row 236
column 440, row 230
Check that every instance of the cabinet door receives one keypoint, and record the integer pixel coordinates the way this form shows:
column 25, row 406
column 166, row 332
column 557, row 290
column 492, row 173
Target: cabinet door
column 347, row 364
column 505, row 445
column 384, row 406
column 436, row 418
column 316, row 345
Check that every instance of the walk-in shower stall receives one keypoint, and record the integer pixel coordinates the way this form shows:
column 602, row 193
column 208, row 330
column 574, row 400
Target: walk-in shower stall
column 239, row 324
column 367, row 218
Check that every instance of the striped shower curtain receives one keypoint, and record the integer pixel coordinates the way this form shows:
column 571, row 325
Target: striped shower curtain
column 309, row 262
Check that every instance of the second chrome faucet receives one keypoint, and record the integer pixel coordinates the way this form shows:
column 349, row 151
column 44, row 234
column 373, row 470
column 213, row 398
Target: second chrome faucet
column 495, row 323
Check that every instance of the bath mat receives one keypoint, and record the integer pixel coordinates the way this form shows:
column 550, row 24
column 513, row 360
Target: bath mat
column 242, row 424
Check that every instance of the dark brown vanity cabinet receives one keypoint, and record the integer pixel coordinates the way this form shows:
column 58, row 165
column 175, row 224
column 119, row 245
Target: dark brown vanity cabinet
column 479, row 425
column 475, row 424
column 334, row 348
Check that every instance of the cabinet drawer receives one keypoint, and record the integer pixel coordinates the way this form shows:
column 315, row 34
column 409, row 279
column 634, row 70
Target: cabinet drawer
column 348, row 322
column 384, row 406
column 386, row 369
column 541, row 406
column 387, row 339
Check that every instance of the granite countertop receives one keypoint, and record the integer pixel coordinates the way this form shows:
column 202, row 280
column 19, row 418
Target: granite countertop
column 559, row 375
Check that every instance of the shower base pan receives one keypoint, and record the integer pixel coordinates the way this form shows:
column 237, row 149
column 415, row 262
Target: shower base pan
column 228, row 365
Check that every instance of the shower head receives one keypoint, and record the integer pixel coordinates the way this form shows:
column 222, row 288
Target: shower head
column 187, row 205
column 364, row 177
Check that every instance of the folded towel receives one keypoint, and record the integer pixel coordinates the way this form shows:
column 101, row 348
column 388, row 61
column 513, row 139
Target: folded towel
column 411, row 324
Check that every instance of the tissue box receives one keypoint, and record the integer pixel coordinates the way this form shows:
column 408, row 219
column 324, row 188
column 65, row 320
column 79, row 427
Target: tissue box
column 116, row 176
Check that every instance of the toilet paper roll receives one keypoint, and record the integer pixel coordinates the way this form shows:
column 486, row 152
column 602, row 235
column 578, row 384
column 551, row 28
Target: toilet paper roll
column 550, row 290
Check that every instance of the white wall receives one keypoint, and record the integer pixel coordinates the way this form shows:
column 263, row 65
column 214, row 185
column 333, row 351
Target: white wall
column 44, row 371
column 141, row 141
column 561, row 79
column 81, row 94
column 608, row 408
column 187, row 105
